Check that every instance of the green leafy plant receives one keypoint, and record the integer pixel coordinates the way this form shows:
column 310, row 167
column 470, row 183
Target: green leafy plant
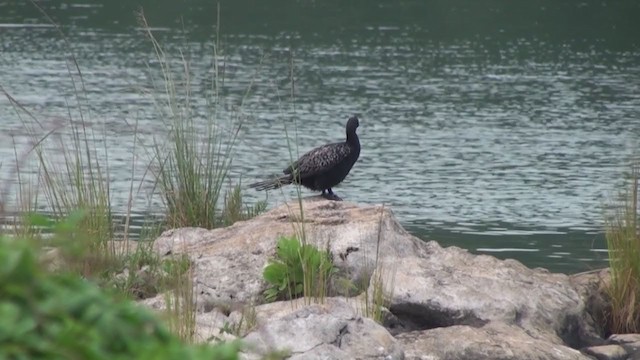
column 45, row 315
column 297, row 267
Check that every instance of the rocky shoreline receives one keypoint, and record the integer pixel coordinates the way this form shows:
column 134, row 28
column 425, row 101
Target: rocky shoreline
column 443, row 303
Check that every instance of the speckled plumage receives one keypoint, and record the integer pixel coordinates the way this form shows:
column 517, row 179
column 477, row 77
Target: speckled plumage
column 321, row 168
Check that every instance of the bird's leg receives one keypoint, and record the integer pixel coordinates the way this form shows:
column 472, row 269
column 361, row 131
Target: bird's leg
column 324, row 194
column 334, row 196
column 330, row 195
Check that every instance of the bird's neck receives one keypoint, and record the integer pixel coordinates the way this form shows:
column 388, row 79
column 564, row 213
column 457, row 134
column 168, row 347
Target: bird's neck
column 352, row 139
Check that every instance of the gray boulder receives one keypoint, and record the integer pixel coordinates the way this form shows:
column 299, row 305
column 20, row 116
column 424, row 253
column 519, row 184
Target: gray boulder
column 425, row 286
column 450, row 286
column 229, row 261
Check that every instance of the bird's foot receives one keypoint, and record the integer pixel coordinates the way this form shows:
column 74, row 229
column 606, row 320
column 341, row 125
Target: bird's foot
column 331, row 196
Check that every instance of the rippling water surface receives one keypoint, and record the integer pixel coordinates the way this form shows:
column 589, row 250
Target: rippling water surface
column 500, row 129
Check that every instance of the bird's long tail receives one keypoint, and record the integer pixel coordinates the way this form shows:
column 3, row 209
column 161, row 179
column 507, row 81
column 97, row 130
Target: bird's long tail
column 273, row 183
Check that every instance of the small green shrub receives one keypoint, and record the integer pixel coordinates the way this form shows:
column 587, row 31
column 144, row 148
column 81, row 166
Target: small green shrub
column 297, row 267
column 46, row 315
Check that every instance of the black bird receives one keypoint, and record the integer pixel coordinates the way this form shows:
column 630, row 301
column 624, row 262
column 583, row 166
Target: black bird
column 321, row 168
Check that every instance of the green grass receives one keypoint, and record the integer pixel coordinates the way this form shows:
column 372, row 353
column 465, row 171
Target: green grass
column 73, row 172
column 70, row 176
column 180, row 300
column 623, row 241
column 376, row 283
column 378, row 297
column 192, row 167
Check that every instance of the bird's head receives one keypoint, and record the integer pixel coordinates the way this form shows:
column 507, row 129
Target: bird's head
column 352, row 124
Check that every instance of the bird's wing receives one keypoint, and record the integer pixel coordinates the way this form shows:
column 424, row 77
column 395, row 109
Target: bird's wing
column 320, row 159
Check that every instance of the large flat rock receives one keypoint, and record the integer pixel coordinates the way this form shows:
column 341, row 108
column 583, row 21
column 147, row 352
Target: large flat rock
column 428, row 286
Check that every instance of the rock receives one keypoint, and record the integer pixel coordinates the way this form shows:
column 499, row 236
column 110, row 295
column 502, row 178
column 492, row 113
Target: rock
column 210, row 326
column 215, row 326
column 449, row 286
column 229, row 261
column 331, row 330
column 607, row 352
column 624, row 339
column 629, row 342
column 426, row 286
column 591, row 285
column 157, row 302
column 496, row 341
column 51, row 258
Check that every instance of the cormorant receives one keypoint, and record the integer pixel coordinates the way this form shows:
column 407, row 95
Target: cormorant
column 321, row 168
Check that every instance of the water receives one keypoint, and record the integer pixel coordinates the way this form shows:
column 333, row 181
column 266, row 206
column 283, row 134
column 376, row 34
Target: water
column 499, row 127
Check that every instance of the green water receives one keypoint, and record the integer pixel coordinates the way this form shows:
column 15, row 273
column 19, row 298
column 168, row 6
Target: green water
column 499, row 126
